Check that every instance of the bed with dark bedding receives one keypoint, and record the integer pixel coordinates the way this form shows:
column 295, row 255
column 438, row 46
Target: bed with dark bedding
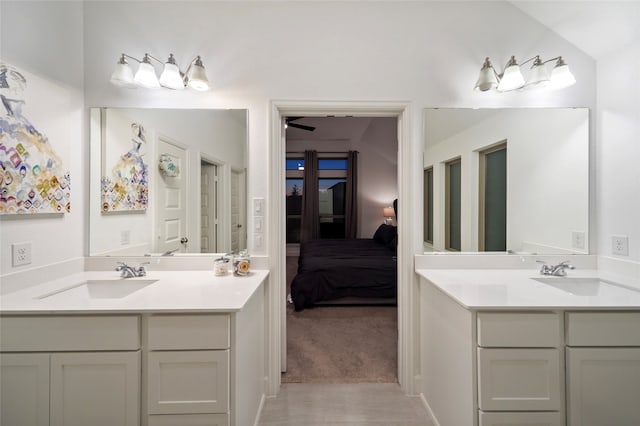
column 358, row 270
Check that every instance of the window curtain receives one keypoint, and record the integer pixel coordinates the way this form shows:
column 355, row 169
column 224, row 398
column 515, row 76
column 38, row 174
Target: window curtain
column 351, row 202
column 310, row 223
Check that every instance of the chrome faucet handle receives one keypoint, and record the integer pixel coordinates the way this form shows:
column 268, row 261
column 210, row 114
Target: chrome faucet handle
column 125, row 270
column 560, row 269
column 545, row 269
column 140, row 271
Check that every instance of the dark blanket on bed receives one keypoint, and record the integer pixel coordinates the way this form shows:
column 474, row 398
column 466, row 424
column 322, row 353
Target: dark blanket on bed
column 331, row 269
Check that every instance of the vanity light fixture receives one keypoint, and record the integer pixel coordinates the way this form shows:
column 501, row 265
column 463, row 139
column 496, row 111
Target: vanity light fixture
column 171, row 78
column 512, row 78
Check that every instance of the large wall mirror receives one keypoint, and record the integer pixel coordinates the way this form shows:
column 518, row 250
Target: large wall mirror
column 506, row 180
column 167, row 181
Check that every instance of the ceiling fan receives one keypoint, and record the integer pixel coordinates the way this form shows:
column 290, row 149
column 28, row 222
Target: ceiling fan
column 288, row 122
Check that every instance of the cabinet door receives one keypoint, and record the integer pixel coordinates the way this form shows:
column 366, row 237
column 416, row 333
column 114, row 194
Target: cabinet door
column 603, row 386
column 181, row 382
column 24, row 389
column 95, row 388
column 519, row 380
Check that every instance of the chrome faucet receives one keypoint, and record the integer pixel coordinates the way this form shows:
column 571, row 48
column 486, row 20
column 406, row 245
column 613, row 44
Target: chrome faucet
column 127, row 271
column 558, row 270
column 169, row 252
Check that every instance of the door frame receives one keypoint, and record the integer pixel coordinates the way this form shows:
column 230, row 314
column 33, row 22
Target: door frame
column 410, row 158
column 223, row 242
column 207, row 160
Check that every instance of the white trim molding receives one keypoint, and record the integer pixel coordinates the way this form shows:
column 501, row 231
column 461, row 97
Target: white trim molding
column 409, row 241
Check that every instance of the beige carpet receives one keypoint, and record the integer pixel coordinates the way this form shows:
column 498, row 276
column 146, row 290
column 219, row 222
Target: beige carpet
column 341, row 344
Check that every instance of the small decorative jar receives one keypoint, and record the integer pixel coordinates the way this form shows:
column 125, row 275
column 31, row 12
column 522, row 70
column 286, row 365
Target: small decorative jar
column 221, row 266
column 241, row 265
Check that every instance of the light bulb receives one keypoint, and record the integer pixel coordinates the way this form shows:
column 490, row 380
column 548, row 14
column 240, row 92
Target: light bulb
column 146, row 74
column 123, row 75
column 512, row 78
column 170, row 77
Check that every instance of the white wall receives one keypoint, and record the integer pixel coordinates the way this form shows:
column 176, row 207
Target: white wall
column 428, row 53
column 46, row 40
column 618, row 150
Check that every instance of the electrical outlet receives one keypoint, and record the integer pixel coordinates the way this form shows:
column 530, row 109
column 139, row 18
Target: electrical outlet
column 620, row 245
column 125, row 237
column 21, row 253
column 577, row 239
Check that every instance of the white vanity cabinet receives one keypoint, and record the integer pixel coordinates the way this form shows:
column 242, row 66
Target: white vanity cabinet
column 187, row 369
column 603, row 366
column 485, row 366
column 183, row 355
column 70, row 370
column 519, row 368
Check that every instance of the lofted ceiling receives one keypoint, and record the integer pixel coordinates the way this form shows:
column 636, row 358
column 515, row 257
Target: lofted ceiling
column 595, row 27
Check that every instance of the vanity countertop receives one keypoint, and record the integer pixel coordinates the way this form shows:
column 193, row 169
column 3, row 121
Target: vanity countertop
column 517, row 289
column 170, row 291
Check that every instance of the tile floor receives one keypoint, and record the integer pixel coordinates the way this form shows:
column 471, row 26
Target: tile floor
column 309, row 404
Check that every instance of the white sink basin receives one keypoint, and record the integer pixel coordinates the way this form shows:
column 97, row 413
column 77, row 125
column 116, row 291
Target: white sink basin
column 581, row 286
column 102, row 289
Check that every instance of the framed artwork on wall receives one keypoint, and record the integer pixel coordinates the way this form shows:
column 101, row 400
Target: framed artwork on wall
column 34, row 144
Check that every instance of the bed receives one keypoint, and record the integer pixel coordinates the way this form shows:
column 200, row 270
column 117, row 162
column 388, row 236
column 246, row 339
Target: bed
column 347, row 271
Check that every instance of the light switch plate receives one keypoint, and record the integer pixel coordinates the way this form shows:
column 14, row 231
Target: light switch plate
column 258, row 206
column 258, row 242
column 258, row 224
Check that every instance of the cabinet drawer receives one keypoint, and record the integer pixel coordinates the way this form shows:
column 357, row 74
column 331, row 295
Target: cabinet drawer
column 519, row 379
column 189, row 420
column 521, row 419
column 511, row 329
column 69, row 333
column 603, row 328
column 175, row 332
column 182, row 382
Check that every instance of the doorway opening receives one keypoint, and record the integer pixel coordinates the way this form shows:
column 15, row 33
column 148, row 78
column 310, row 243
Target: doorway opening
column 350, row 333
column 409, row 164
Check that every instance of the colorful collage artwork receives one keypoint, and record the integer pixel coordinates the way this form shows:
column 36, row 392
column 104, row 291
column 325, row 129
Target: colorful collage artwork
column 127, row 189
column 33, row 177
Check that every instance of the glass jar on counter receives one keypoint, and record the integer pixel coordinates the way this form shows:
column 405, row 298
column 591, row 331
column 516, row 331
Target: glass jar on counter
column 241, row 264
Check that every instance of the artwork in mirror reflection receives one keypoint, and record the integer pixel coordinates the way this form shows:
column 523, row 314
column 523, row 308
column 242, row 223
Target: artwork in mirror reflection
column 500, row 180
column 167, row 181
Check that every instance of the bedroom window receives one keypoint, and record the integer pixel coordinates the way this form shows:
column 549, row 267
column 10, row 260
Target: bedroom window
column 332, row 179
column 294, row 209
column 453, row 201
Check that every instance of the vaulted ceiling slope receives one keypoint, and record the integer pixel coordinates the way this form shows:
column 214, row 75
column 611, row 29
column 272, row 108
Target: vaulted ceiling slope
column 595, row 27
